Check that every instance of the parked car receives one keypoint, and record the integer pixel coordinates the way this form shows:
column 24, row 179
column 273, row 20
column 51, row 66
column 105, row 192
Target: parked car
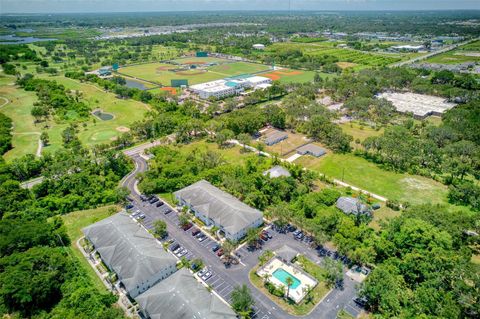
column 181, row 253
column 291, row 228
column 174, row 247
column 177, row 250
column 266, row 233
column 160, row 203
column 216, row 247
column 202, row 272
column 129, row 199
column 195, row 231
column 143, row 198
column 362, row 302
column 201, row 237
column 187, row 226
column 168, row 211
column 220, row 252
column 129, row 206
column 153, row 200
column 207, row 275
column 141, row 216
column 150, row 197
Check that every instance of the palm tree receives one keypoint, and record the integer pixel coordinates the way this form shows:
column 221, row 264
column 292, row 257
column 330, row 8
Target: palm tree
column 289, row 282
column 266, row 277
column 228, row 248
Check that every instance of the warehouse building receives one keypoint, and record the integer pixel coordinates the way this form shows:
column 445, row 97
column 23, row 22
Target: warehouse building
column 227, row 87
column 182, row 296
column 218, row 208
column 131, row 252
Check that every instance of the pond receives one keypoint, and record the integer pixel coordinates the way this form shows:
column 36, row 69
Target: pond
column 103, row 116
column 135, row 84
column 13, row 39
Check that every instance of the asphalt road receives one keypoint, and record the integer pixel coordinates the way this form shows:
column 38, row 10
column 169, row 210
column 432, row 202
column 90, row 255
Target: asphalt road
column 224, row 279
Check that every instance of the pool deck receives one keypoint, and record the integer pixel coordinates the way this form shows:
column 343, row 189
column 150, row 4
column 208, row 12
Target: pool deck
column 299, row 292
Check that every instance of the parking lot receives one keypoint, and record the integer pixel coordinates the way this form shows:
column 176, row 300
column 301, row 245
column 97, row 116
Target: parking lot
column 223, row 279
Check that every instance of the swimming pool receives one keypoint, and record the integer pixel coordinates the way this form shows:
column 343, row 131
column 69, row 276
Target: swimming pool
column 282, row 275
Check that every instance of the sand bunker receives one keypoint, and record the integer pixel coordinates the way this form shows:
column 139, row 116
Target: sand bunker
column 123, row 129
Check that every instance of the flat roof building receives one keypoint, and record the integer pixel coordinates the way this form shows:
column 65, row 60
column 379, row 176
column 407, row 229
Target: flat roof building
column 311, row 149
column 218, row 208
column 286, row 253
column 181, row 296
column 131, row 252
column 277, row 171
column 229, row 86
column 419, row 104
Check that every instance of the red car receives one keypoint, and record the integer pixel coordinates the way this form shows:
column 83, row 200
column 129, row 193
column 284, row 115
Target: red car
column 187, row 226
column 220, row 252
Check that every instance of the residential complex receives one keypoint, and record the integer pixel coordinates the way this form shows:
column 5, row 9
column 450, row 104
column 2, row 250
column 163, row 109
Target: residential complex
column 218, row 208
column 131, row 252
column 182, row 296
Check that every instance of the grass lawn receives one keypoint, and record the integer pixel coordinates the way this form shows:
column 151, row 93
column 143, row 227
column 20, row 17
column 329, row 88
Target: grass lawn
column 359, row 131
column 466, row 53
column 366, row 175
column 77, row 220
column 289, row 306
column 382, row 214
column 25, row 133
column 238, row 68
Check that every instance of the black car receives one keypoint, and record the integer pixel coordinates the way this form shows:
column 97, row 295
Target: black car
column 143, row 198
column 129, row 206
column 360, row 301
column 216, row 247
column 160, row 203
column 174, row 246
column 168, row 211
column 153, row 200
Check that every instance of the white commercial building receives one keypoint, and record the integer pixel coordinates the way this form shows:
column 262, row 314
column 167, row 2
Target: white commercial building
column 228, row 87
column 259, row 46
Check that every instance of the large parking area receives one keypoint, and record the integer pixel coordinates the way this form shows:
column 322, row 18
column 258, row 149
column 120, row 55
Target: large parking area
column 224, row 278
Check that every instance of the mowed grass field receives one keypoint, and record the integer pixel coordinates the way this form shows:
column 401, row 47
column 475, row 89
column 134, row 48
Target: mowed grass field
column 25, row 133
column 95, row 131
column 162, row 72
column 466, row 53
column 361, row 173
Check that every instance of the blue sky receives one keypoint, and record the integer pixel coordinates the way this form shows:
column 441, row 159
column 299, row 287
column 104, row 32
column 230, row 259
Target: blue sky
column 52, row 6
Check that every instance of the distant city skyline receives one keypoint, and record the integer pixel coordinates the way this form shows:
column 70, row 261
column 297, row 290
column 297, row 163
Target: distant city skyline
column 84, row 6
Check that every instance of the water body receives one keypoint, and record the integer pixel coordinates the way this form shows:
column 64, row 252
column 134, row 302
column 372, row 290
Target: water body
column 103, row 116
column 132, row 84
column 13, row 39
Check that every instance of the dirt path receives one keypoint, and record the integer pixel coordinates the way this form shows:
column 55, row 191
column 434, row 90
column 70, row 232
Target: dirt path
column 5, row 101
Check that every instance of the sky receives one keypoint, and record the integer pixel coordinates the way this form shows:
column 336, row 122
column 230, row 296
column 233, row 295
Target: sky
column 61, row 6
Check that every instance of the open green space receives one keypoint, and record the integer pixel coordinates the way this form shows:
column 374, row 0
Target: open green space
column 465, row 53
column 74, row 222
column 163, row 73
column 91, row 132
column 359, row 172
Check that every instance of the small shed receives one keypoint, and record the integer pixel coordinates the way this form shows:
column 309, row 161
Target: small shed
column 259, row 46
column 311, row 149
column 277, row 171
column 286, row 253
column 350, row 205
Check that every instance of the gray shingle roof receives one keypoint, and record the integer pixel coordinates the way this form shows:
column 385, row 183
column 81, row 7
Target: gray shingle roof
column 219, row 206
column 275, row 137
column 128, row 249
column 277, row 171
column 286, row 253
column 350, row 205
column 181, row 296
column 311, row 149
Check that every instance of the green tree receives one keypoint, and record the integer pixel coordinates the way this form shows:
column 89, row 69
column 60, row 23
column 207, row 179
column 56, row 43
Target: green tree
column 289, row 282
column 242, row 301
column 334, row 271
column 160, row 228
column 244, row 139
column 44, row 138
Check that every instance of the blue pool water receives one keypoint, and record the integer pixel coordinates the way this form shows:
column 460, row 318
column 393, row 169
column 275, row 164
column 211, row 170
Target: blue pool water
column 282, row 275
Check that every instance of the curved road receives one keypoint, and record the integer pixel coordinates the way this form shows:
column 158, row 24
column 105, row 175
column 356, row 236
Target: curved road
column 333, row 302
